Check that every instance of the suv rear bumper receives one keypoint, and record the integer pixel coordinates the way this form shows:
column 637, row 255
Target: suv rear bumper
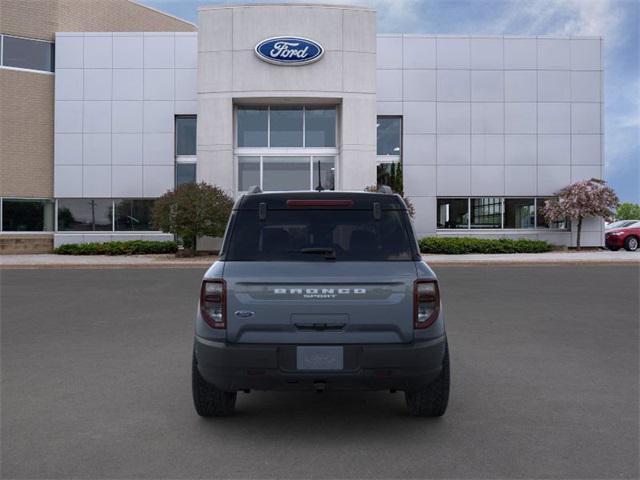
column 233, row 367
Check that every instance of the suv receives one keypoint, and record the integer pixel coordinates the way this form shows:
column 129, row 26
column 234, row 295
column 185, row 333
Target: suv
column 315, row 291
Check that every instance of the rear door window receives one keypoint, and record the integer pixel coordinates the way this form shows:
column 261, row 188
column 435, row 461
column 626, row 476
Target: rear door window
column 318, row 235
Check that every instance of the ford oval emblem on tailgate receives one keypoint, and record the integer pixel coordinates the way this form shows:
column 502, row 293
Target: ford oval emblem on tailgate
column 244, row 313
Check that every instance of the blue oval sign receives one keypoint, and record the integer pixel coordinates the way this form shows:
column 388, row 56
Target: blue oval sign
column 289, row 51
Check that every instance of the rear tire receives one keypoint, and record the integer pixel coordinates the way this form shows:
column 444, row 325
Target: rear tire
column 208, row 400
column 631, row 244
column 432, row 400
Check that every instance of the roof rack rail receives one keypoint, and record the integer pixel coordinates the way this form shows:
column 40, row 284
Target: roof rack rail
column 254, row 189
column 385, row 189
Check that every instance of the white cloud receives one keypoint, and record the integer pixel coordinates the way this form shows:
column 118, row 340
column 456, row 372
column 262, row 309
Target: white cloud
column 559, row 17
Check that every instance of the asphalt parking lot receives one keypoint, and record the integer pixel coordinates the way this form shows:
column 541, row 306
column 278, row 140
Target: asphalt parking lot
column 96, row 384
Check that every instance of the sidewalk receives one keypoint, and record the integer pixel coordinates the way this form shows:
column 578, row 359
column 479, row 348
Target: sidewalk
column 160, row 261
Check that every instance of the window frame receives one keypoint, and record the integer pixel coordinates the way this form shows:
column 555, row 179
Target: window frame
column 261, row 156
column 22, row 69
column 183, row 159
column 469, row 228
column 304, row 129
column 389, row 159
column 268, row 151
column 28, row 199
column 113, row 218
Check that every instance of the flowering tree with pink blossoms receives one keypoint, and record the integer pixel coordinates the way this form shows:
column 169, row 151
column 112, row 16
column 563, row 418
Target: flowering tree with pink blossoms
column 586, row 198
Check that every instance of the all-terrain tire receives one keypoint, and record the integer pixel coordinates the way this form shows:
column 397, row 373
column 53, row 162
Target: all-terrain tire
column 631, row 243
column 208, row 400
column 432, row 400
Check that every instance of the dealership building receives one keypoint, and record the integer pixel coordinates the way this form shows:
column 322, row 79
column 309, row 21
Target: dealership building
column 107, row 105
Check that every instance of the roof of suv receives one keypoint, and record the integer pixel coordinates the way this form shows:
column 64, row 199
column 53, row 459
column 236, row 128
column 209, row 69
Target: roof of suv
column 359, row 200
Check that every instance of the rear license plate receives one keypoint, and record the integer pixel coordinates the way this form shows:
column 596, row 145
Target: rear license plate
column 320, row 358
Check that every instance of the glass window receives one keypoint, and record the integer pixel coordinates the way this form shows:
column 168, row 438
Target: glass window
column 519, row 213
column 285, row 173
column 84, row 214
column 26, row 215
column 324, row 169
column 349, row 235
column 252, row 126
column 285, row 125
column 453, row 213
column 486, row 212
column 248, row 172
column 320, row 127
column 390, row 174
column 389, row 132
column 26, row 53
column 541, row 220
column 185, row 173
column 133, row 215
column 186, row 135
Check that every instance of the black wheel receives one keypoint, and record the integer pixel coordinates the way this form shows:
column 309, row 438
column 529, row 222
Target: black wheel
column 432, row 400
column 209, row 400
column 631, row 244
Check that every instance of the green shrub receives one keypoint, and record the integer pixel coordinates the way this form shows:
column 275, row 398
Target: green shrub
column 131, row 247
column 461, row 245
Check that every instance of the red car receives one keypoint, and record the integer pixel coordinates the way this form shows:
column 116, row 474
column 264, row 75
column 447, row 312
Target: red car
column 627, row 237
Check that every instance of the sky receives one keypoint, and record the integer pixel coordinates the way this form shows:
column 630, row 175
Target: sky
column 617, row 21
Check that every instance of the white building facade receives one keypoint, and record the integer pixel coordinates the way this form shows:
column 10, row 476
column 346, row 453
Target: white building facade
column 477, row 131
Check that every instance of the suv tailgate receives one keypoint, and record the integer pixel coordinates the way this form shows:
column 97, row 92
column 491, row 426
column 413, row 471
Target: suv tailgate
column 320, row 302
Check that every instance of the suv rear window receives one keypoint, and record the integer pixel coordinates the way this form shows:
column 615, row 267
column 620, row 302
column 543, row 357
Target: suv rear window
column 318, row 235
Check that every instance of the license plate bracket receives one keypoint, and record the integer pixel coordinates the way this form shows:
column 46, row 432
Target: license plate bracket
column 319, row 358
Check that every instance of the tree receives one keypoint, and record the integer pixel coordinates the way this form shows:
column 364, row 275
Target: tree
column 628, row 211
column 193, row 210
column 586, row 198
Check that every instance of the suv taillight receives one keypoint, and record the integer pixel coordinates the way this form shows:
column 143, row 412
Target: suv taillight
column 213, row 302
column 426, row 303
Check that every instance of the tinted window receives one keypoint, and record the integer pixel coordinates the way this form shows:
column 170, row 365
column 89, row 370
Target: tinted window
column 286, row 126
column 315, row 235
column 320, row 127
column 25, row 53
column 542, row 221
column 84, row 215
column 185, row 173
column 324, row 169
column 453, row 213
column 248, row 172
column 252, row 126
column 389, row 132
column 285, row 173
column 27, row 215
column 186, row 135
column 519, row 213
column 486, row 212
column 133, row 215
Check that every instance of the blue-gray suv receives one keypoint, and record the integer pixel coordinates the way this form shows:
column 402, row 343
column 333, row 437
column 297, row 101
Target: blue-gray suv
column 320, row 291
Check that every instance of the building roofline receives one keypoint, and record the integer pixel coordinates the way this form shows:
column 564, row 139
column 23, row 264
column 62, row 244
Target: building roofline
column 137, row 2
column 287, row 4
column 480, row 36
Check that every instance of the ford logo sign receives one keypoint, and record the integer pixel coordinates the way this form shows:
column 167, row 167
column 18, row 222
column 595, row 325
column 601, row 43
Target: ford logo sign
column 289, row 51
column 244, row 313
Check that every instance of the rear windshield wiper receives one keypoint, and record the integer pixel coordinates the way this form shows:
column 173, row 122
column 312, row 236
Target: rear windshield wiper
column 329, row 253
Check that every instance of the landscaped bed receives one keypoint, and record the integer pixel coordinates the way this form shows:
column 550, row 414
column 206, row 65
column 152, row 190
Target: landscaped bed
column 131, row 247
column 462, row 245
